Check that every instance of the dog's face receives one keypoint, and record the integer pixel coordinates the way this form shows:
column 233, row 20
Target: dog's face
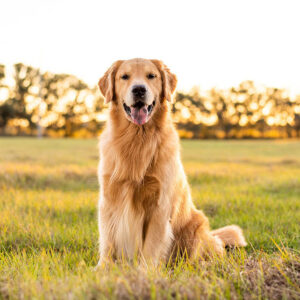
column 138, row 86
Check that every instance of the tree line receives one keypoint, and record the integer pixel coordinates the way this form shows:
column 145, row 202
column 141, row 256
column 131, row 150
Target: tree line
column 61, row 105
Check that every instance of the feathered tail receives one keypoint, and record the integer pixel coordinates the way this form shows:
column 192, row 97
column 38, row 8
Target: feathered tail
column 231, row 235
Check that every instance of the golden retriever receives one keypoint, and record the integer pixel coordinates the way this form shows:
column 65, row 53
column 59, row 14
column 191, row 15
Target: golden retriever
column 145, row 206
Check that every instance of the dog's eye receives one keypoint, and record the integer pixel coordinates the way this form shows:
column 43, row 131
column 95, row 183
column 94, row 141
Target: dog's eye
column 125, row 77
column 151, row 76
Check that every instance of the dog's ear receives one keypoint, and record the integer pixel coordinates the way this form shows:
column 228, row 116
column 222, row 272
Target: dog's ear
column 169, row 80
column 107, row 82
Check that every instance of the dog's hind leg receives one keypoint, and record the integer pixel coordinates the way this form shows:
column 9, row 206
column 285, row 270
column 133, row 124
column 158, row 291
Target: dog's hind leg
column 195, row 238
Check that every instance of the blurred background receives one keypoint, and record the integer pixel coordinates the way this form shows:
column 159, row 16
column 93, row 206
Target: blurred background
column 237, row 64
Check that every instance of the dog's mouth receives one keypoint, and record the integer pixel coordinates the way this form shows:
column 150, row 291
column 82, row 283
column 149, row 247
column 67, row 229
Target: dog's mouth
column 140, row 112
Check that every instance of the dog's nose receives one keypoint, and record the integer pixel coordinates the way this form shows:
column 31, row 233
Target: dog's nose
column 139, row 91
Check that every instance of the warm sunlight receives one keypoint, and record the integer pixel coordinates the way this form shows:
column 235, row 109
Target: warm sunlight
column 176, row 176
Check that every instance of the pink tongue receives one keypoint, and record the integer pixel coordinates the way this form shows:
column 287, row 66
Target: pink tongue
column 139, row 116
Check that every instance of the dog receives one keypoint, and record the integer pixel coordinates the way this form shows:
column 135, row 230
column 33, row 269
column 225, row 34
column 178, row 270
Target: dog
column 145, row 206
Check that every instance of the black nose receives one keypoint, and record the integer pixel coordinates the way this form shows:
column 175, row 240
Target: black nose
column 139, row 91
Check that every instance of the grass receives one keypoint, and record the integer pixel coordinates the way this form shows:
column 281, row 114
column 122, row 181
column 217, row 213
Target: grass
column 48, row 224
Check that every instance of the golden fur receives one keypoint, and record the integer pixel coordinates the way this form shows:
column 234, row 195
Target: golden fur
column 145, row 205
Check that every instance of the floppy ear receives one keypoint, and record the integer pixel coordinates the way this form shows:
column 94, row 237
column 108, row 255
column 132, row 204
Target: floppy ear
column 169, row 80
column 107, row 82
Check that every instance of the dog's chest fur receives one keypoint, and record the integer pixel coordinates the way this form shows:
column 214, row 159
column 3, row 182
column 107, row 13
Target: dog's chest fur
column 133, row 173
column 130, row 193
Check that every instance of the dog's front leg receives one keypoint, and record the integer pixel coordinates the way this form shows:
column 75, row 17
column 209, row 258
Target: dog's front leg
column 158, row 239
column 107, row 250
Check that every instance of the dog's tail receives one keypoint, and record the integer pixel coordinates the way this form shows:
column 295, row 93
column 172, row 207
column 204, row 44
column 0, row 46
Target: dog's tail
column 231, row 235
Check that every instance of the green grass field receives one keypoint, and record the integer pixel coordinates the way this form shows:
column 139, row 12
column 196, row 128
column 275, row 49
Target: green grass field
column 48, row 223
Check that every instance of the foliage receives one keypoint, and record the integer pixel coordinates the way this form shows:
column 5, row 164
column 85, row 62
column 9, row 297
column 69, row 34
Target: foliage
column 243, row 112
column 63, row 105
column 59, row 103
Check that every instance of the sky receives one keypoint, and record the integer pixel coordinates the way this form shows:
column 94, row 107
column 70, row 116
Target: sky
column 206, row 43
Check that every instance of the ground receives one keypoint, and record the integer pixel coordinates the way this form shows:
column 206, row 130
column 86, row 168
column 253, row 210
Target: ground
column 48, row 223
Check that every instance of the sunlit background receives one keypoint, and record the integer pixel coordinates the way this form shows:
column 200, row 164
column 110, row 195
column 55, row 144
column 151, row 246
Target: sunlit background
column 208, row 44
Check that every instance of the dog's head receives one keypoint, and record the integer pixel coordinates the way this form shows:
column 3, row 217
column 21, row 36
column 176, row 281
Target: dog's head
column 138, row 87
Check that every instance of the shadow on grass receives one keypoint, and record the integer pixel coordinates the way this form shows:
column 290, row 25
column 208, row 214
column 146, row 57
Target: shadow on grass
column 291, row 187
column 67, row 181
